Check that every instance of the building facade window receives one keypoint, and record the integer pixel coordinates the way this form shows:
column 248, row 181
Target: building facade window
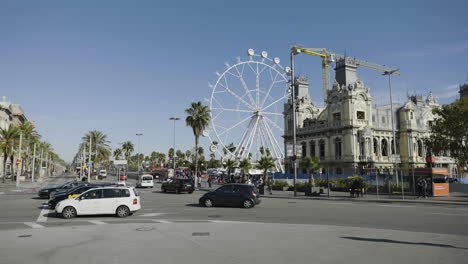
column 312, row 148
column 336, row 117
column 362, row 147
column 420, row 150
column 384, row 147
column 393, row 148
column 337, row 148
column 383, row 119
column 339, row 170
column 376, row 147
column 361, row 115
column 322, row 149
column 304, row 149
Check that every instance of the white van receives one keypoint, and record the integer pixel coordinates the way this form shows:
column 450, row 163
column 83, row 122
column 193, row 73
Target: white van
column 145, row 180
column 121, row 201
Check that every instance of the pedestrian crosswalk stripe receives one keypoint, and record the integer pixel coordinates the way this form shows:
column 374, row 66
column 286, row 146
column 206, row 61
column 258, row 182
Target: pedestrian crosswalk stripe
column 33, row 225
column 96, row 222
column 162, row 221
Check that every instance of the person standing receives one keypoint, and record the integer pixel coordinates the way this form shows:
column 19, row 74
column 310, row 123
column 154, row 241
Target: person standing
column 209, row 181
column 422, row 188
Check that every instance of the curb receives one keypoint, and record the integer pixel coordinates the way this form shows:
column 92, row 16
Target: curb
column 369, row 201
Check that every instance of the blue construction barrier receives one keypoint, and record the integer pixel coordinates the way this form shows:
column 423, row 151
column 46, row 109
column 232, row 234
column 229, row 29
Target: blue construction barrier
column 303, row 176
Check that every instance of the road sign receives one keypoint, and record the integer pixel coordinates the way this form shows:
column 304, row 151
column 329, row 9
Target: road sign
column 120, row 162
column 90, row 164
column 18, row 162
column 205, row 133
column 213, row 148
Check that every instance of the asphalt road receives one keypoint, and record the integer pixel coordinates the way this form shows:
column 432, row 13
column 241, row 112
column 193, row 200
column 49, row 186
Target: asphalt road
column 375, row 224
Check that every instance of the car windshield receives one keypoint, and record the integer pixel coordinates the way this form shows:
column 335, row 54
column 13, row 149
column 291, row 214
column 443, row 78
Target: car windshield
column 147, row 178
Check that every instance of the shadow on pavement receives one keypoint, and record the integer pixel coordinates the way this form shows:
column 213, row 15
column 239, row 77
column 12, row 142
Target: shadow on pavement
column 401, row 242
column 193, row 205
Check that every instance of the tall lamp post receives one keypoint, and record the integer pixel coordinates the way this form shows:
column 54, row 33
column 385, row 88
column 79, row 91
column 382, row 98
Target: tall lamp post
column 389, row 73
column 138, row 155
column 173, row 140
column 294, row 51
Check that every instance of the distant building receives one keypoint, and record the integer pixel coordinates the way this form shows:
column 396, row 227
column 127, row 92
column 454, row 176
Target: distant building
column 464, row 90
column 10, row 114
column 350, row 135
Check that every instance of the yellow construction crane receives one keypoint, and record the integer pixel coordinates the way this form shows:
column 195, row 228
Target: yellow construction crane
column 329, row 57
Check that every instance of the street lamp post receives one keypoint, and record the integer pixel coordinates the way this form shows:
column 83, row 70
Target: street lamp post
column 293, row 102
column 138, row 155
column 389, row 73
column 173, row 142
column 18, row 170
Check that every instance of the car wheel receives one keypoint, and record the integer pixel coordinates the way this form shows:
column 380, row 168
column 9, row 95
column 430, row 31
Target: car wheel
column 248, row 204
column 51, row 194
column 208, row 203
column 190, row 192
column 68, row 212
column 123, row 211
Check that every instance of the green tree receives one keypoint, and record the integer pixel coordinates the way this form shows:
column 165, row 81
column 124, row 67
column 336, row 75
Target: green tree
column 127, row 148
column 449, row 132
column 229, row 164
column 198, row 119
column 311, row 164
column 245, row 165
column 117, row 153
column 7, row 139
column 99, row 145
column 265, row 163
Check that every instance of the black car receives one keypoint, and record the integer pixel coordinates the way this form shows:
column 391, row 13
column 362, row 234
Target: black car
column 244, row 195
column 70, row 193
column 178, row 186
column 46, row 192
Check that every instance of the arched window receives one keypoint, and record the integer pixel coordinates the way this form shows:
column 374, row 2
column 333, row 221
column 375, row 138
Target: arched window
column 337, row 148
column 312, row 148
column 420, row 150
column 322, row 149
column 362, row 147
column 376, row 147
column 384, row 148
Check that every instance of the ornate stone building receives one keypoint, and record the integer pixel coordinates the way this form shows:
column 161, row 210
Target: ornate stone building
column 351, row 135
column 10, row 114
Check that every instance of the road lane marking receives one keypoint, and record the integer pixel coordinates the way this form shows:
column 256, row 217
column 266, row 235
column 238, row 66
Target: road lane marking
column 227, row 222
column 43, row 214
column 153, row 214
column 33, row 225
column 162, row 221
column 447, row 214
column 97, row 222
column 397, row 206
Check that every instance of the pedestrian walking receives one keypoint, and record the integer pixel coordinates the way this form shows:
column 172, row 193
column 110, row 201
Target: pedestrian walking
column 209, row 181
column 422, row 188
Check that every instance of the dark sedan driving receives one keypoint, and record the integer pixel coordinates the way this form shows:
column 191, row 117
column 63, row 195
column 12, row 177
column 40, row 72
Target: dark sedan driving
column 243, row 195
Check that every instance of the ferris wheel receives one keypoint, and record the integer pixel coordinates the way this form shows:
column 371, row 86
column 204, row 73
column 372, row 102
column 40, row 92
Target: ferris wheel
column 247, row 105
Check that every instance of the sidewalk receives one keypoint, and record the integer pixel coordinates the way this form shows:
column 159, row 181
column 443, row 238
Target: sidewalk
column 454, row 199
column 28, row 187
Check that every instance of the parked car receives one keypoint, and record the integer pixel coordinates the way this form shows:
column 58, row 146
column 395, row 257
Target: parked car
column 178, row 185
column 121, row 201
column 244, row 195
column 70, row 193
column 123, row 177
column 47, row 192
column 145, row 180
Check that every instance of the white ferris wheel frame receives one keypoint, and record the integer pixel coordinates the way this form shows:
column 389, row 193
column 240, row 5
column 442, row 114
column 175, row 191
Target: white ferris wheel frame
column 260, row 125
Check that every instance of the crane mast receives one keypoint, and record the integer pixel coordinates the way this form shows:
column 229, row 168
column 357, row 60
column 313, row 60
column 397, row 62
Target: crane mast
column 329, row 57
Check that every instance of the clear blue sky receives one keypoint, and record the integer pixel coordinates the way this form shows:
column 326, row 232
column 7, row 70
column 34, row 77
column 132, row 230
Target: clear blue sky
column 124, row 67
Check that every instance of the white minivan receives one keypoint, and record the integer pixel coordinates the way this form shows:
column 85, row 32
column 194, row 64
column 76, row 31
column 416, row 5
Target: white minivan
column 121, row 201
column 145, row 180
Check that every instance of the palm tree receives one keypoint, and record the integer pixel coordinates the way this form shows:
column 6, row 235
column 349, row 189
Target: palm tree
column 127, row 148
column 244, row 165
column 198, row 119
column 99, row 145
column 312, row 165
column 188, row 155
column 229, row 164
column 117, row 153
column 265, row 163
column 7, row 139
